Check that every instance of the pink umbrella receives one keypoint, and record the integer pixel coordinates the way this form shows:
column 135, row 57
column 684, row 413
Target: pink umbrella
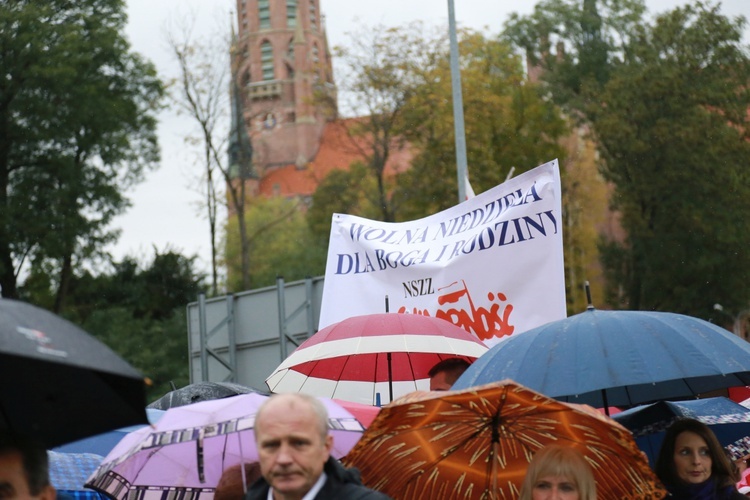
column 364, row 413
column 363, row 356
column 190, row 447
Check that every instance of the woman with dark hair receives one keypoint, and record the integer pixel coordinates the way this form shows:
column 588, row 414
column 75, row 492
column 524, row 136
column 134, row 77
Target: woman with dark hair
column 693, row 466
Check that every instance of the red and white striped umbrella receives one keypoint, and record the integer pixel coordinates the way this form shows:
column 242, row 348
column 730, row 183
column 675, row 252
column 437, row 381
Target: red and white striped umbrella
column 363, row 356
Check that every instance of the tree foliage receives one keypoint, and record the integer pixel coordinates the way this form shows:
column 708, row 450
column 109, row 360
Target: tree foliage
column 508, row 124
column 350, row 191
column 576, row 43
column 400, row 80
column 137, row 309
column 675, row 136
column 200, row 92
column 77, row 128
column 383, row 69
column 670, row 118
column 282, row 244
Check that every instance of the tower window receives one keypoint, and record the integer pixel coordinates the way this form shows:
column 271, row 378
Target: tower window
column 313, row 18
column 315, row 57
column 266, row 60
column 291, row 13
column 264, row 14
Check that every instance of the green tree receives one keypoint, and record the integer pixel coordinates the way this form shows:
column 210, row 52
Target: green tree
column 77, row 127
column 137, row 309
column 669, row 116
column 158, row 349
column 675, row 137
column 576, row 43
column 345, row 192
column 281, row 244
column 383, row 68
column 508, row 124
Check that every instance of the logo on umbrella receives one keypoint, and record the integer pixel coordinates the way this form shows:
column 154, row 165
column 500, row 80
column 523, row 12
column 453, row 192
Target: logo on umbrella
column 44, row 344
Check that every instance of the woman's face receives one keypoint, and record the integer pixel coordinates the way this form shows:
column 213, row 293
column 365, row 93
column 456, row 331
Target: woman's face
column 554, row 488
column 692, row 458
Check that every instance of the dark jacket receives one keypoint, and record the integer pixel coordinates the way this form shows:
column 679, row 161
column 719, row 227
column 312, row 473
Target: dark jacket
column 728, row 494
column 341, row 484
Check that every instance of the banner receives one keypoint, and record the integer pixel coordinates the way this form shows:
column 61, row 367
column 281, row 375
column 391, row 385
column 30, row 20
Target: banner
column 492, row 265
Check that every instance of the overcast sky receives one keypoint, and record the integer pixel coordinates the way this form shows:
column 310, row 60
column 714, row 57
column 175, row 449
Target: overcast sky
column 166, row 207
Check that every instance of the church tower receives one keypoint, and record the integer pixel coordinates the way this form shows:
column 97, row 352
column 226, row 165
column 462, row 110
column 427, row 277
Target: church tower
column 285, row 80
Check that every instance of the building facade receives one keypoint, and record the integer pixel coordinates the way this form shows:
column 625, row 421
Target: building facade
column 284, row 80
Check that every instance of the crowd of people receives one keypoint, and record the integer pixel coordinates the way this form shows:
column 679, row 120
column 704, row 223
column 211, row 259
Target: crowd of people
column 295, row 462
column 294, row 451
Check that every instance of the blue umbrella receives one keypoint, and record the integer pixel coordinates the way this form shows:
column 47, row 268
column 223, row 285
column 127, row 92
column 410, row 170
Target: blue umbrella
column 617, row 358
column 728, row 420
column 68, row 472
column 102, row 444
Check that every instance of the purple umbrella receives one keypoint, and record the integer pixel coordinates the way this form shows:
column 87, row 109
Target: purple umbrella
column 191, row 446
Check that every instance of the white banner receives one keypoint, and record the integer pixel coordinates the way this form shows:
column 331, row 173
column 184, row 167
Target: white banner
column 492, row 265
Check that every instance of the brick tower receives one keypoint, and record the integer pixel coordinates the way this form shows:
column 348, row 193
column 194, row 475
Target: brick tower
column 285, row 82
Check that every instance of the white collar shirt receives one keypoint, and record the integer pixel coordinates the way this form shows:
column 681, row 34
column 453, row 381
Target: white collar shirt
column 310, row 495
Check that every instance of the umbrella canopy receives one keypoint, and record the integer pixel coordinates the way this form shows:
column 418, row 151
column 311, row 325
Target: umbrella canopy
column 191, row 446
column 728, row 420
column 477, row 443
column 618, row 358
column 60, row 383
column 363, row 356
column 68, row 472
column 364, row 413
column 199, row 391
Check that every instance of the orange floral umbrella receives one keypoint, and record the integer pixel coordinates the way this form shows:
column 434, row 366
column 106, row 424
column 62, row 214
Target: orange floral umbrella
column 476, row 443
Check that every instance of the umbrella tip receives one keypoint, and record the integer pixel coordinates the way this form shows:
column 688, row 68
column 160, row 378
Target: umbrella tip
column 587, row 287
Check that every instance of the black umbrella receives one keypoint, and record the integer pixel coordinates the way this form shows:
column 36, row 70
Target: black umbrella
column 200, row 391
column 59, row 383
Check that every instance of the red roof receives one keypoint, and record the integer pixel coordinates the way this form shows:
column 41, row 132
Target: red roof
column 338, row 150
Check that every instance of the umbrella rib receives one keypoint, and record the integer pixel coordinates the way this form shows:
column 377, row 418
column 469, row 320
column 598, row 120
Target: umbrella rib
column 337, row 380
column 627, row 393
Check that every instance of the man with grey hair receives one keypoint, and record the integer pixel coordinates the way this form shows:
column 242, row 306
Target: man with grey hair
column 24, row 469
column 294, row 450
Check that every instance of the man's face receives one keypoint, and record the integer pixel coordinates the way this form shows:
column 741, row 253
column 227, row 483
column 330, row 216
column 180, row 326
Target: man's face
column 440, row 382
column 13, row 481
column 291, row 450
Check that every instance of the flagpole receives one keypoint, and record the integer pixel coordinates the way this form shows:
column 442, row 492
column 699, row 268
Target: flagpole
column 458, row 107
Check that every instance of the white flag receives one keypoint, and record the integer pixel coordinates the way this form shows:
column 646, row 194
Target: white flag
column 469, row 190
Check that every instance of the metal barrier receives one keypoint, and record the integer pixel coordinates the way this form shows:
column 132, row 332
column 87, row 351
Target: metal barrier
column 243, row 337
